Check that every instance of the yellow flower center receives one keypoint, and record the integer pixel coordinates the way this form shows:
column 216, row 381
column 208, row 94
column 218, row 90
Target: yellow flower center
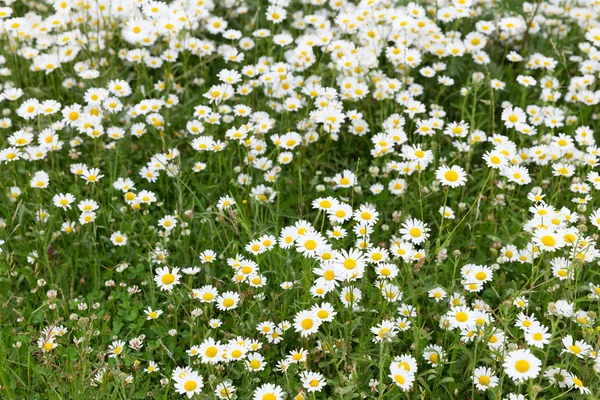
column 575, row 349
column 522, row 366
column 236, row 353
column 310, row 244
column 451, row 176
column 349, row 264
column 548, row 241
column 307, row 324
column 462, row 316
column 211, row 352
column 415, row 232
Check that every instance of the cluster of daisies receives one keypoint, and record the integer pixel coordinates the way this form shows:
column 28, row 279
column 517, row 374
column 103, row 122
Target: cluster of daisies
column 338, row 273
column 401, row 192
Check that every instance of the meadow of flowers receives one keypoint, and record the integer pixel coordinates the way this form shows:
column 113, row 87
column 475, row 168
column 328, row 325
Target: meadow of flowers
column 299, row 199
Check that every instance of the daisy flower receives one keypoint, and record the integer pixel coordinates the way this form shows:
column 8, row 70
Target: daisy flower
column 152, row 314
column 548, row 240
column 118, row 239
column 437, row 294
column 339, row 213
column 310, row 243
column 434, row 355
column 115, row 348
column 297, row 356
column 521, row 365
column 352, row 263
column 210, row 351
column 579, row 348
column 190, row 384
column 225, row 390
column 228, row 301
column 537, row 336
column 166, row 278
column 461, row 317
column 453, row 177
column 325, row 312
column 385, row 331
column 152, row 367
column 306, row 322
column 447, row 212
column 255, row 362
column 574, row 382
column 402, row 377
column 312, row 381
column 63, row 201
column 324, row 203
column 484, row 378
column 40, row 180
column 414, row 230
column 206, row 294
column 268, row 391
